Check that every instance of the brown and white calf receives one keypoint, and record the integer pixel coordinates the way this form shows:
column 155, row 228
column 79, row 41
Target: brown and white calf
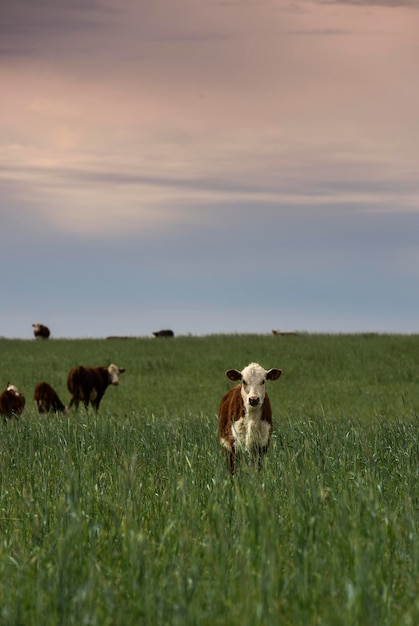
column 88, row 384
column 245, row 414
column 47, row 399
column 41, row 331
column 12, row 403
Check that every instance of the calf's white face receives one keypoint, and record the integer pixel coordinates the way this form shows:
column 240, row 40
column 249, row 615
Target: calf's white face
column 114, row 372
column 253, row 379
column 13, row 389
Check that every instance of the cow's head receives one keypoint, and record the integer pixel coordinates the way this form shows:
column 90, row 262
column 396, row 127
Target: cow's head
column 13, row 389
column 253, row 379
column 113, row 372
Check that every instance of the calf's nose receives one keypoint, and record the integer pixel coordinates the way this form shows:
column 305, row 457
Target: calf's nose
column 253, row 401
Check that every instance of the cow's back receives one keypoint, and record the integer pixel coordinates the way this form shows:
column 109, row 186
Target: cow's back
column 93, row 377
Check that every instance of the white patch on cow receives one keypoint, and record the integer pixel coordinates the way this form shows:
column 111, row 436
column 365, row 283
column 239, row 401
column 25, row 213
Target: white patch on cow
column 253, row 379
column 253, row 387
column 225, row 444
column 250, row 433
column 114, row 371
column 13, row 389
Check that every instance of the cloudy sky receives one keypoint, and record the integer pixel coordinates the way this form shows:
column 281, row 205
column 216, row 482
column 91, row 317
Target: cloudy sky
column 209, row 166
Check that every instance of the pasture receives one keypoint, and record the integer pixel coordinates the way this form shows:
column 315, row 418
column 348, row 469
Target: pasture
column 128, row 516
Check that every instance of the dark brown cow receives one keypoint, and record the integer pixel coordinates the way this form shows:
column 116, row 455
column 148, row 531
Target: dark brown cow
column 245, row 415
column 40, row 331
column 12, row 403
column 47, row 399
column 88, row 384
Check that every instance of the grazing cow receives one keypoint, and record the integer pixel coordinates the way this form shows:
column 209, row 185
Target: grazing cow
column 12, row 403
column 40, row 331
column 88, row 384
column 245, row 415
column 47, row 399
column 163, row 333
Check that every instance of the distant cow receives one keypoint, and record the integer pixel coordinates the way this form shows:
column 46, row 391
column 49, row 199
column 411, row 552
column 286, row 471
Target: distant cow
column 40, row 331
column 12, row 403
column 88, row 384
column 163, row 333
column 245, row 414
column 47, row 399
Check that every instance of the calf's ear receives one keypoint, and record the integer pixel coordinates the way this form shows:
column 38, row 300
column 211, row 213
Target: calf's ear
column 273, row 374
column 234, row 375
column 121, row 370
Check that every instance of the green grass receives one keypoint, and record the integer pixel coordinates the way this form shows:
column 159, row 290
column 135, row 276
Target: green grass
column 129, row 516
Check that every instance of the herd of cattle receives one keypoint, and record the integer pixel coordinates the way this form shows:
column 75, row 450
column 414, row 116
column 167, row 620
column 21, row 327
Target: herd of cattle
column 41, row 331
column 244, row 416
column 85, row 384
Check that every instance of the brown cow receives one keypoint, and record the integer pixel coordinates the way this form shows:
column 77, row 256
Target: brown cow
column 88, row 384
column 47, row 399
column 12, row 403
column 40, row 331
column 245, row 415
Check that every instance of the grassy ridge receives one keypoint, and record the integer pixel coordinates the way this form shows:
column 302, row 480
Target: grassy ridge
column 129, row 517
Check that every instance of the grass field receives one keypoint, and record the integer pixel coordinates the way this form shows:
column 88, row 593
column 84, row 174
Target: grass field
column 128, row 516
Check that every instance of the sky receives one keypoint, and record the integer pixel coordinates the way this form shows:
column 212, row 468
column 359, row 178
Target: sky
column 209, row 166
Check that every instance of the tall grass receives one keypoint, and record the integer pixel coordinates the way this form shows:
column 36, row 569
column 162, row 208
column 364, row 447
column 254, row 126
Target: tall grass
column 128, row 516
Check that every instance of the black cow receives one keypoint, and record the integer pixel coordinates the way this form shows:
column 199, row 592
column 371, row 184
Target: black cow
column 163, row 333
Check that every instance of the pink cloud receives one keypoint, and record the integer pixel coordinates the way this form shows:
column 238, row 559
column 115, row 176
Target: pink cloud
column 238, row 93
